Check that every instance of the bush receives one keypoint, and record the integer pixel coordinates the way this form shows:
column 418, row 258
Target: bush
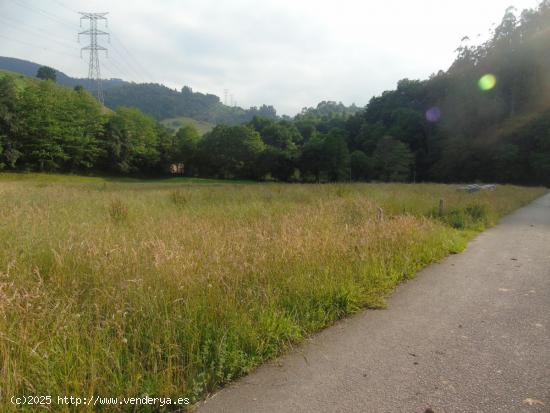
column 455, row 218
column 479, row 213
column 473, row 216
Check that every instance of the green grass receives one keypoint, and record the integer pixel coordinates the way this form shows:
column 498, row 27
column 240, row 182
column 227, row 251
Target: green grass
column 173, row 288
column 21, row 81
column 47, row 179
column 176, row 123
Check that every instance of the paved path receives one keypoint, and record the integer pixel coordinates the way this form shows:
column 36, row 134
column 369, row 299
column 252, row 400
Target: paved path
column 470, row 334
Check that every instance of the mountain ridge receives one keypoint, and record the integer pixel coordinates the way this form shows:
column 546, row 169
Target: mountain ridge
column 155, row 99
column 29, row 68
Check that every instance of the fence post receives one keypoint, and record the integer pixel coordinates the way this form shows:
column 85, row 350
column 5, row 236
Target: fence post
column 441, row 207
column 379, row 214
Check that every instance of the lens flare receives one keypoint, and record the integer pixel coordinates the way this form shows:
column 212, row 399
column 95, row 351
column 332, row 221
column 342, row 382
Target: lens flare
column 487, row 82
column 433, row 114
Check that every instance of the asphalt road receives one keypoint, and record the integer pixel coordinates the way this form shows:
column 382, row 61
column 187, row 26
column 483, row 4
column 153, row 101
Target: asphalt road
column 469, row 334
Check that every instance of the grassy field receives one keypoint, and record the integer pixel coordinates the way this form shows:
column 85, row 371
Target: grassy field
column 176, row 123
column 172, row 288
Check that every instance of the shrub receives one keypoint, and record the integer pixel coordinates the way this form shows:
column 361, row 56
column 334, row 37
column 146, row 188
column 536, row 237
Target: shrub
column 479, row 213
column 456, row 218
column 473, row 216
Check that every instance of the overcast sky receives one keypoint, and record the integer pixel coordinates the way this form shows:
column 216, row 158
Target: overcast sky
column 289, row 53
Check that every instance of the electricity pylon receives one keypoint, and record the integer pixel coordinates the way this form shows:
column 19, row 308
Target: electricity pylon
column 94, row 71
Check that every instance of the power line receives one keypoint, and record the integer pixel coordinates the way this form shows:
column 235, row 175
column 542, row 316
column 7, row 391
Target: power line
column 117, row 67
column 20, row 41
column 142, row 68
column 33, row 31
column 37, row 46
column 111, row 73
column 44, row 13
column 116, row 70
column 133, row 65
column 126, row 62
column 65, row 6
column 94, row 70
column 129, row 60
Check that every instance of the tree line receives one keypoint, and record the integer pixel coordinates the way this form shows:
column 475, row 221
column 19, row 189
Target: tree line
column 46, row 127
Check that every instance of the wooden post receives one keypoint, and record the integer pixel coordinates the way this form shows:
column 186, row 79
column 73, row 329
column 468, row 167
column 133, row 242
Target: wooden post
column 379, row 214
column 441, row 207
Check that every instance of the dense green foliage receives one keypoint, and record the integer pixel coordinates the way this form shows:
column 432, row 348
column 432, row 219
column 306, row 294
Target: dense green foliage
column 486, row 118
column 46, row 73
column 46, row 127
column 461, row 127
column 162, row 102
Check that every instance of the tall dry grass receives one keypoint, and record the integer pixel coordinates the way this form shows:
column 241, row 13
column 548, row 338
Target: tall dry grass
column 126, row 289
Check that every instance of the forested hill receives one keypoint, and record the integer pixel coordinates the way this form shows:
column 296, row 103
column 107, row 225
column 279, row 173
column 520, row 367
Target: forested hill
column 154, row 99
column 486, row 118
column 162, row 102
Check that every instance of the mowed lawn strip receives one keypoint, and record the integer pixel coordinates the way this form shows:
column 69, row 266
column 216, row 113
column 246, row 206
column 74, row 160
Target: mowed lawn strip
column 171, row 288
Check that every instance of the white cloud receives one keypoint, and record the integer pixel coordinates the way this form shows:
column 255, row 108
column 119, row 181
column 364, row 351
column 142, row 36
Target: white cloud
column 287, row 53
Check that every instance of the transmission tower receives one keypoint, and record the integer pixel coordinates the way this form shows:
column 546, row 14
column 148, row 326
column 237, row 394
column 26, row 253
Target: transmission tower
column 94, row 71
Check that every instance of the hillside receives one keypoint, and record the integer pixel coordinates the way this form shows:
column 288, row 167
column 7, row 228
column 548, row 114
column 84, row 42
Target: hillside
column 19, row 79
column 30, row 68
column 176, row 123
column 156, row 100
column 486, row 118
column 162, row 102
